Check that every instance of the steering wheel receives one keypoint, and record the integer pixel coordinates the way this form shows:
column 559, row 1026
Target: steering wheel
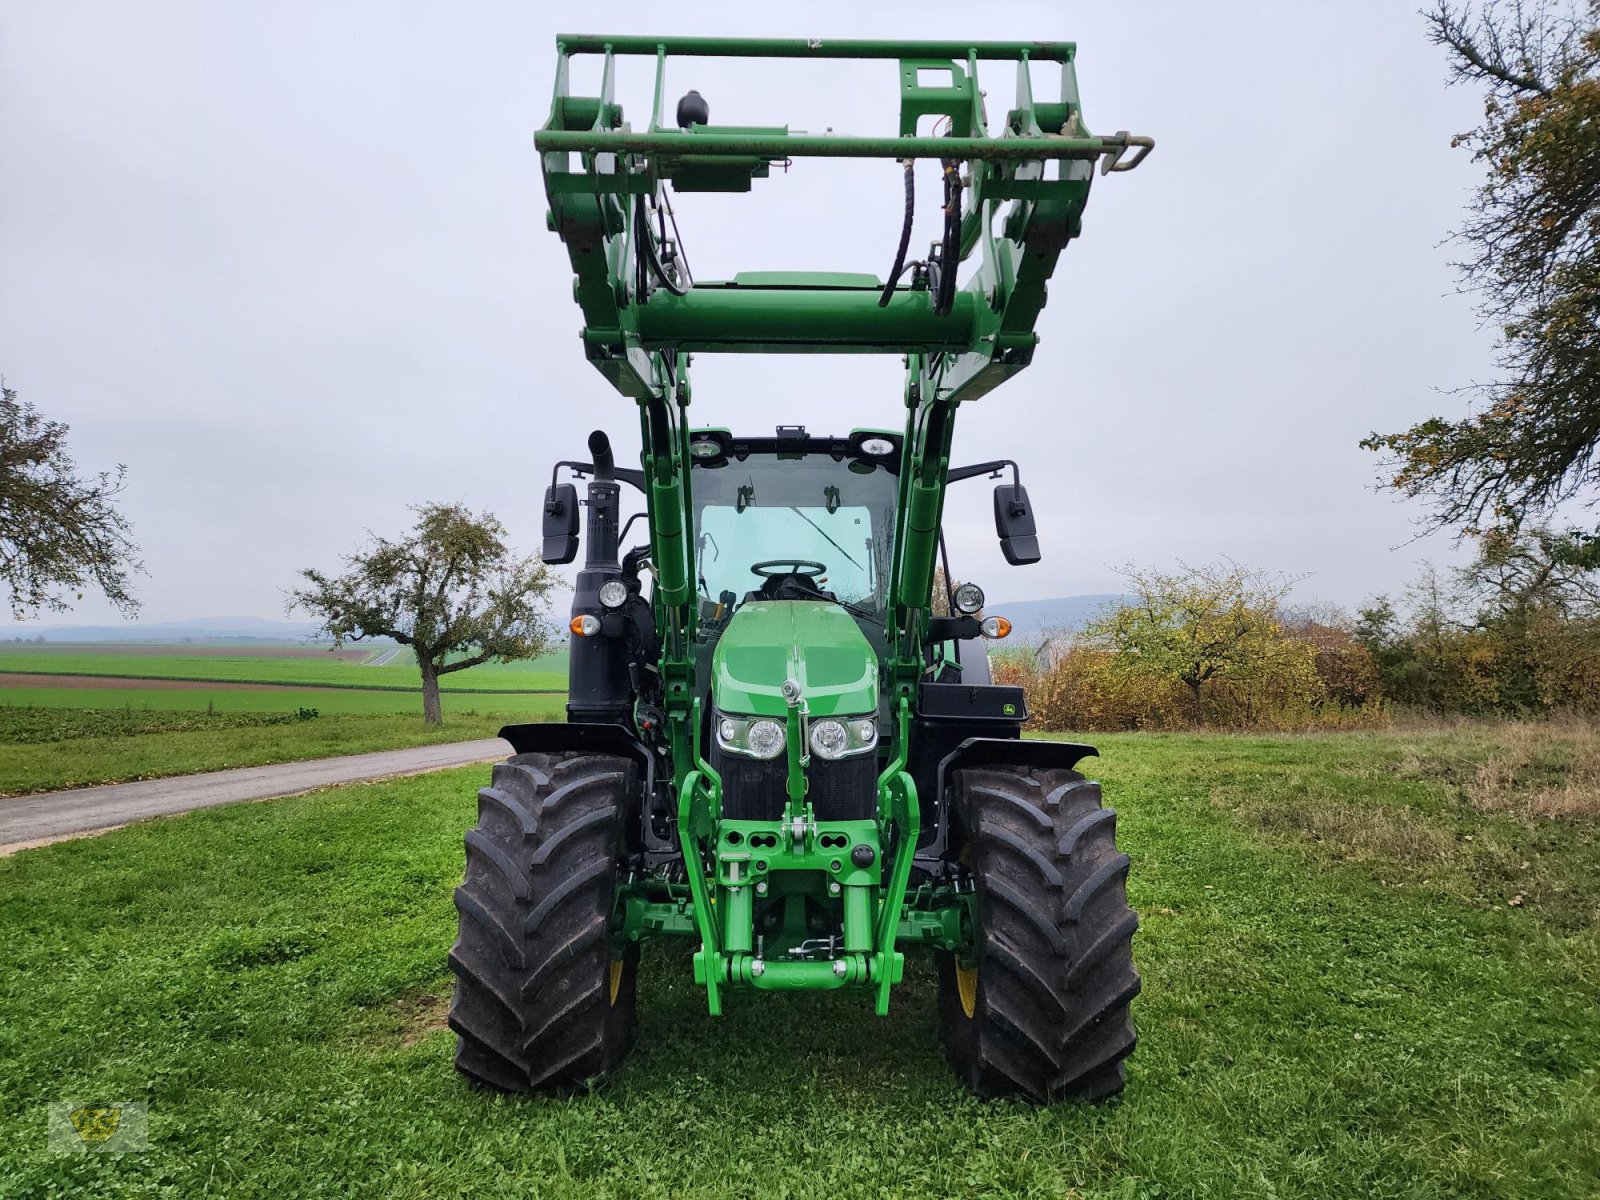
column 768, row 568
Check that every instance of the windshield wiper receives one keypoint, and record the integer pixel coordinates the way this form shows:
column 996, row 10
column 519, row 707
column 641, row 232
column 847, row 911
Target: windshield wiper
column 856, row 610
column 824, row 533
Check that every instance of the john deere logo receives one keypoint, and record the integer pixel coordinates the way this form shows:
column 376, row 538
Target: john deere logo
column 1010, row 710
column 102, row 1128
column 95, row 1125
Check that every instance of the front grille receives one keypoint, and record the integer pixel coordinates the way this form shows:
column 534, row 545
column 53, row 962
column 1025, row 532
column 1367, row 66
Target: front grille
column 754, row 790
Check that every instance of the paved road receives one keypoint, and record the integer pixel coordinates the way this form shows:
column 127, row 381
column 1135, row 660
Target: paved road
column 51, row 816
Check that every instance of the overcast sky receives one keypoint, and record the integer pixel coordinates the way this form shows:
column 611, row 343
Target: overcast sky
column 288, row 262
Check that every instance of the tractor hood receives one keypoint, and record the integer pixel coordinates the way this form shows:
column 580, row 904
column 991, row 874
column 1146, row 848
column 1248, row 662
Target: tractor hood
column 811, row 641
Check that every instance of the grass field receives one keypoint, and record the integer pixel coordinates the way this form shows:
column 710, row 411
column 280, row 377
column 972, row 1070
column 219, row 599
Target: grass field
column 1371, row 962
column 49, row 748
column 227, row 664
column 106, row 704
column 325, row 700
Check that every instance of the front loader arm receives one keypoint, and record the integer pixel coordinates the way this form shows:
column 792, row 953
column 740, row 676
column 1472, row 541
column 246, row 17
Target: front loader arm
column 1013, row 196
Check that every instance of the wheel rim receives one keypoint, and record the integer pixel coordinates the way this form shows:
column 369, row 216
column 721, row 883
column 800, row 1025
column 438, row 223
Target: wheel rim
column 967, row 989
column 616, row 981
column 967, row 977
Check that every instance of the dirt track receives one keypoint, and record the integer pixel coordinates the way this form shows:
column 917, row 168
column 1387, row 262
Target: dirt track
column 37, row 820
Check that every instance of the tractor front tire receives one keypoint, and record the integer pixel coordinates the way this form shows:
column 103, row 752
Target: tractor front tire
column 1043, row 1011
column 542, row 1003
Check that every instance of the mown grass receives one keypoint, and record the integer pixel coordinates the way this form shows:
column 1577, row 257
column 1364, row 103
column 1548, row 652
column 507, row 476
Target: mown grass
column 297, row 670
column 1317, row 1020
column 44, row 749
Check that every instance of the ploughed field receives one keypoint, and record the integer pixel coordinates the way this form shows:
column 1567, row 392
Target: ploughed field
column 1371, row 965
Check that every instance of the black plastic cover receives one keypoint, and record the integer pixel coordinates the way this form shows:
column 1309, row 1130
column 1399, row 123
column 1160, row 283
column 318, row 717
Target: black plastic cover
column 972, row 702
column 1013, row 522
column 560, row 523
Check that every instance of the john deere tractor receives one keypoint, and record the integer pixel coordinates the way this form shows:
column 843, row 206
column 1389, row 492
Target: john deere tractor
column 779, row 745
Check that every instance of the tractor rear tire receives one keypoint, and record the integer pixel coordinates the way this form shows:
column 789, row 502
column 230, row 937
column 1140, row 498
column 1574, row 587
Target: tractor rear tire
column 1044, row 1012
column 542, row 1003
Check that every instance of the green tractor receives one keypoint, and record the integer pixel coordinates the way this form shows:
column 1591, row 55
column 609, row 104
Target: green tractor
column 778, row 745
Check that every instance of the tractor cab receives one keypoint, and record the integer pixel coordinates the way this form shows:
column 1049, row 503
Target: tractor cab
column 793, row 517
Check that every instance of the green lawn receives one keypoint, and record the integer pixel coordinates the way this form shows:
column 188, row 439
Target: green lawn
column 324, row 700
column 46, row 748
column 176, row 662
column 1371, row 969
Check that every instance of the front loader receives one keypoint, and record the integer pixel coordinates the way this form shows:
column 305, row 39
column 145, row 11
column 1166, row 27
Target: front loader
column 774, row 747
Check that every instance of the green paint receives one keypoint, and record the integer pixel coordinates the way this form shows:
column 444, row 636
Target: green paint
column 819, row 646
column 753, row 892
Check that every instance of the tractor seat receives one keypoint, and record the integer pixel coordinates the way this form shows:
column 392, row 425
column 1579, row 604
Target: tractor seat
column 789, row 587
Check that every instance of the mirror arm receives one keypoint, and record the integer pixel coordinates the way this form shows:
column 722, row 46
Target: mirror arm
column 621, row 537
column 991, row 469
column 581, row 470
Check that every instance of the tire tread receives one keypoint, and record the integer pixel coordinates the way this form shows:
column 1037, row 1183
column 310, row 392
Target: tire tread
column 1055, row 958
column 532, row 1008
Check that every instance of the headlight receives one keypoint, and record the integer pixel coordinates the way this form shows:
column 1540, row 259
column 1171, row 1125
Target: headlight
column 969, row 599
column 752, row 737
column 766, row 739
column 614, row 593
column 828, row 738
column 831, row 739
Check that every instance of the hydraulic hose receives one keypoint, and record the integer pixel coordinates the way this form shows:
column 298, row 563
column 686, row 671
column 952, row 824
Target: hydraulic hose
column 950, row 249
column 644, row 239
column 905, row 236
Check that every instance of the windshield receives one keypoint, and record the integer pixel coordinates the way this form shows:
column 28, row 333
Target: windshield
column 794, row 510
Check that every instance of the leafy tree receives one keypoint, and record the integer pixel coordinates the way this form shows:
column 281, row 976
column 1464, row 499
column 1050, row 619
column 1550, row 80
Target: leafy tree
column 59, row 531
column 1453, row 668
column 1535, row 592
column 1516, row 630
column 940, row 601
column 1533, row 261
column 1518, row 571
column 450, row 587
column 1344, row 664
column 1206, row 625
column 1401, row 674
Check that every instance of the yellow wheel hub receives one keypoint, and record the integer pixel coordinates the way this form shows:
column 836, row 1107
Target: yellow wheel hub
column 967, row 988
column 967, row 977
column 616, row 980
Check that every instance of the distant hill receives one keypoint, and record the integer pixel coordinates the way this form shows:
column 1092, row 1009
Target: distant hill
column 207, row 629
column 1031, row 619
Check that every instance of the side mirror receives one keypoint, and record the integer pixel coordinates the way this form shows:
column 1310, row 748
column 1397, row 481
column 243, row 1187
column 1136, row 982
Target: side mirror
column 1013, row 521
column 560, row 523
